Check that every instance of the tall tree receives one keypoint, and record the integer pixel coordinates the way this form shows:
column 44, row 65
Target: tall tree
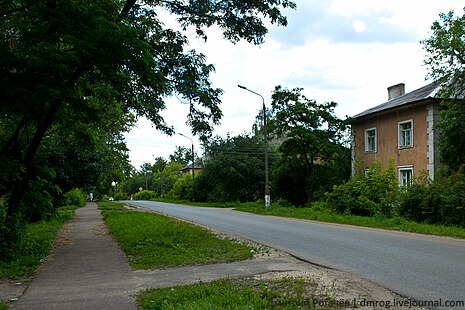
column 61, row 59
column 445, row 58
column 313, row 155
column 183, row 155
column 234, row 170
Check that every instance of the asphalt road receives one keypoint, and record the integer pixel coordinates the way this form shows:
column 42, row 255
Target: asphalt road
column 416, row 266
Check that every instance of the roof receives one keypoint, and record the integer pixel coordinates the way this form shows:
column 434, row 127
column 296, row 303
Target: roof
column 189, row 166
column 429, row 91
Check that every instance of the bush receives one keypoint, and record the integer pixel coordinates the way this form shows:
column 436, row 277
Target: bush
column 120, row 196
column 144, row 195
column 75, row 197
column 374, row 192
column 39, row 201
column 283, row 203
column 182, row 188
column 439, row 202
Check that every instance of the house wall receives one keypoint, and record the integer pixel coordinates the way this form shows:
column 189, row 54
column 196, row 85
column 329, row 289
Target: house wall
column 386, row 125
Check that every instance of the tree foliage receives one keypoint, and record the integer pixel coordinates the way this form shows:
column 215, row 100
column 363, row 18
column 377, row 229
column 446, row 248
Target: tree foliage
column 313, row 155
column 441, row 201
column 369, row 193
column 445, row 59
column 233, row 171
column 67, row 64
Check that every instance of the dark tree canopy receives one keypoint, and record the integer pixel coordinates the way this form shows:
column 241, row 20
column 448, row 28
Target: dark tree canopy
column 312, row 152
column 233, row 171
column 66, row 64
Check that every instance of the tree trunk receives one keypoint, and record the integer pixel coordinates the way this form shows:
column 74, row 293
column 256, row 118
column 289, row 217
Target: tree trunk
column 20, row 186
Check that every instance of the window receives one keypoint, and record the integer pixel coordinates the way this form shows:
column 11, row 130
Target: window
column 370, row 140
column 406, row 134
column 405, row 175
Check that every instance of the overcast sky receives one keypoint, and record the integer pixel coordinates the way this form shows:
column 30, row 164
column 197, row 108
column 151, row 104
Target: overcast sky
column 347, row 51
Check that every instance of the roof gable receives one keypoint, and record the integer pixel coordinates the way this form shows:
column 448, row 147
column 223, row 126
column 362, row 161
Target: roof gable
column 429, row 91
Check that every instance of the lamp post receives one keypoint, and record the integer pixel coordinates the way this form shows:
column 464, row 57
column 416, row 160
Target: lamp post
column 193, row 156
column 265, row 134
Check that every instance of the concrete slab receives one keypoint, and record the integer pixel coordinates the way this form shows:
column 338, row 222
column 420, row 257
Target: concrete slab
column 87, row 271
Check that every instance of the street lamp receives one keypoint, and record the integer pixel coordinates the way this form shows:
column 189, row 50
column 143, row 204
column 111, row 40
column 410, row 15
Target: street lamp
column 193, row 157
column 265, row 134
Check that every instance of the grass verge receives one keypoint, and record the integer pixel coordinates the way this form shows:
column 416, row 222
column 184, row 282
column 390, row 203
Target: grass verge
column 198, row 204
column 394, row 223
column 242, row 293
column 34, row 245
column 320, row 214
column 154, row 241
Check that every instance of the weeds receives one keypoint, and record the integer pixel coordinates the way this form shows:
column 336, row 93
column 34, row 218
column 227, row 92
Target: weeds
column 35, row 241
column 242, row 293
column 154, row 241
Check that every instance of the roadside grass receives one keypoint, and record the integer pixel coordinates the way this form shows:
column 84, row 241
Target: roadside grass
column 34, row 244
column 322, row 215
column 241, row 293
column 197, row 204
column 154, row 241
column 3, row 305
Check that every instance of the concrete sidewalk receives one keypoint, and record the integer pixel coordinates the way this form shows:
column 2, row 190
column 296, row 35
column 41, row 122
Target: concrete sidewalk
column 87, row 270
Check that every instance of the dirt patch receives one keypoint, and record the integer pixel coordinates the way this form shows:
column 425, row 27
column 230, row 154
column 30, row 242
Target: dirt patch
column 62, row 237
column 101, row 229
column 340, row 290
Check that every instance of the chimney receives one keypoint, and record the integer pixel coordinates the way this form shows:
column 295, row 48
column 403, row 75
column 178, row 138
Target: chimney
column 396, row 91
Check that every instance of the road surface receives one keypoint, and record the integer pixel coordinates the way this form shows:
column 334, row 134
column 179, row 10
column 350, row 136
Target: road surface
column 415, row 266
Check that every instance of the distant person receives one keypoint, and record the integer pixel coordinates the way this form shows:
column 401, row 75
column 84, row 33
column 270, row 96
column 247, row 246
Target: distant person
column 91, row 197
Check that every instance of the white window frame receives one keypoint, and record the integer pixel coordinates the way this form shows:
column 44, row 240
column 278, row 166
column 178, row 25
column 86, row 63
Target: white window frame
column 400, row 134
column 401, row 178
column 367, row 150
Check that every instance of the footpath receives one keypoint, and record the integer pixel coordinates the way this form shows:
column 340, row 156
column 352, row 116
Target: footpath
column 87, row 270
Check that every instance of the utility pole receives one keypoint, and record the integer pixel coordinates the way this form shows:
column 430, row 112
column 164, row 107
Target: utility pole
column 265, row 134
column 193, row 155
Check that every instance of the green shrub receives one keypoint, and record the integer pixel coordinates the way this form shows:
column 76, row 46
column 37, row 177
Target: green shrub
column 144, row 195
column 283, row 203
column 121, row 196
column 182, row 188
column 374, row 192
column 439, row 202
column 319, row 206
column 37, row 203
column 75, row 197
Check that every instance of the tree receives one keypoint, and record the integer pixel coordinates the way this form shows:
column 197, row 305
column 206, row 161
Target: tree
column 183, row 155
column 165, row 178
column 72, row 59
column 234, row 170
column 86, row 154
column 313, row 155
column 445, row 58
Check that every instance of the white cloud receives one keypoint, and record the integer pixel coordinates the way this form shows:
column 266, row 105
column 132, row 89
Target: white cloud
column 359, row 26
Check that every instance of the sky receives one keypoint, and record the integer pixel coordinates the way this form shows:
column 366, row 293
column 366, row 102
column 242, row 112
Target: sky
column 347, row 51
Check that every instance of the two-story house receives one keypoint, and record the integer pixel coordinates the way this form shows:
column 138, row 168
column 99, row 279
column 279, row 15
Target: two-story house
column 401, row 129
